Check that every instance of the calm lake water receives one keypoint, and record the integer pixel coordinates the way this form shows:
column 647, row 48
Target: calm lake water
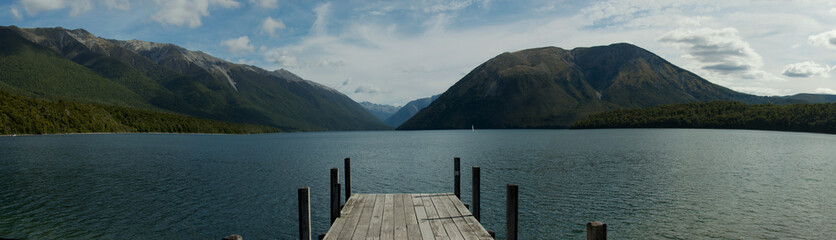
column 645, row 184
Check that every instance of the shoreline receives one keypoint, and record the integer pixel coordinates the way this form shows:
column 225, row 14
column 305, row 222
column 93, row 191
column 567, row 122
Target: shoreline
column 108, row 133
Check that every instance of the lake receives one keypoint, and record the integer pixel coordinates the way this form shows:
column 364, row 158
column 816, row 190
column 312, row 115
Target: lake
column 644, row 183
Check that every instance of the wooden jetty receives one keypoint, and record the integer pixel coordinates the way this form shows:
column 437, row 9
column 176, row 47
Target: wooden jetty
column 406, row 216
column 413, row 215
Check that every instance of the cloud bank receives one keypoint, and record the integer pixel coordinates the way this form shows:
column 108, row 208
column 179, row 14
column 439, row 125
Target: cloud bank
column 805, row 70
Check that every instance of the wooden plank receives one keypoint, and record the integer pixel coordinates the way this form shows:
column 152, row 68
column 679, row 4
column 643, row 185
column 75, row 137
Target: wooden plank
column 459, row 218
column 477, row 227
column 377, row 215
column 445, row 217
column 387, row 229
column 339, row 223
column 432, row 216
column 351, row 212
column 335, row 229
column 349, row 205
column 421, row 217
column 400, row 217
column 413, row 231
column 365, row 217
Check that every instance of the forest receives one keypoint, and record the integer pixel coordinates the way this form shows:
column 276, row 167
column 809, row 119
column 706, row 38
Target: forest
column 800, row 117
column 24, row 115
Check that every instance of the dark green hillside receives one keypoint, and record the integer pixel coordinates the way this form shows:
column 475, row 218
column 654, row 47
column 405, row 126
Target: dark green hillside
column 24, row 115
column 32, row 70
column 552, row 87
column 802, row 117
column 166, row 77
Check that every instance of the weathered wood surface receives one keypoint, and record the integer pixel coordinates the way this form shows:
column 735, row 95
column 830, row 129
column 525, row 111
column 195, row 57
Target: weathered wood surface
column 406, row 216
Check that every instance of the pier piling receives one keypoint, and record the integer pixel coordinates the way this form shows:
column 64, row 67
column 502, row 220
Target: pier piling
column 347, row 178
column 305, row 213
column 335, row 194
column 596, row 230
column 457, row 177
column 476, row 208
column 511, row 204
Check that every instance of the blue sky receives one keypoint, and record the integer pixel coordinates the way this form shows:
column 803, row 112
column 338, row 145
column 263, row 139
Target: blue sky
column 392, row 52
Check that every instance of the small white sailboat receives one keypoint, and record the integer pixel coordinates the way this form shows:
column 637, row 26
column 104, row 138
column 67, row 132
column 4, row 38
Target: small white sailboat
column 473, row 128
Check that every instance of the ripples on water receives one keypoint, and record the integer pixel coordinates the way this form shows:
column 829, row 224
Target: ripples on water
column 645, row 184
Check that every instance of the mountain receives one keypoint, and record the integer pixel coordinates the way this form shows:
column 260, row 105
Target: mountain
column 409, row 110
column 813, row 98
column 62, row 64
column 551, row 88
column 381, row 111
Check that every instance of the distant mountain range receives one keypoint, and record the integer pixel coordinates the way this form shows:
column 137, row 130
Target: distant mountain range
column 381, row 111
column 551, row 88
column 395, row 116
column 75, row 65
column 410, row 109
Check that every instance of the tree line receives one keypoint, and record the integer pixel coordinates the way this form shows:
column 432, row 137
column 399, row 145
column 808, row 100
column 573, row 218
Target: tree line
column 801, row 117
column 24, row 115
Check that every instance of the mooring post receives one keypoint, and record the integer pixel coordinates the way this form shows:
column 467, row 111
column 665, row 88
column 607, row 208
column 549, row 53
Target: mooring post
column 511, row 202
column 457, row 177
column 596, row 230
column 347, row 179
column 476, row 194
column 305, row 213
column 335, row 194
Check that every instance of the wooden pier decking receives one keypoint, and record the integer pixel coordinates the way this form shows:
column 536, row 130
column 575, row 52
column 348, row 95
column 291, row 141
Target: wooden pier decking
column 406, row 216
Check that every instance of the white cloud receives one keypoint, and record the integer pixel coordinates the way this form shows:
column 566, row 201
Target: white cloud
column 717, row 50
column 226, row 3
column 447, row 5
column 281, row 57
column 77, row 7
column 80, row 6
column 369, row 89
column 239, row 45
column 123, row 5
column 187, row 12
column 16, row 13
column 762, row 91
column 267, row 4
column 32, row 7
column 825, row 39
column 270, row 25
column 320, row 25
column 824, row 91
column 805, row 70
column 638, row 13
column 437, row 23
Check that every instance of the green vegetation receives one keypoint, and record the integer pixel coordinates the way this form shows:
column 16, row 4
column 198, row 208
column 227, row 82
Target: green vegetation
column 24, row 115
column 36, row 71
column 801, row 117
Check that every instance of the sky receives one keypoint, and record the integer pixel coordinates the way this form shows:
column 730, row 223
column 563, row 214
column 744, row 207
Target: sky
column 392, row 52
